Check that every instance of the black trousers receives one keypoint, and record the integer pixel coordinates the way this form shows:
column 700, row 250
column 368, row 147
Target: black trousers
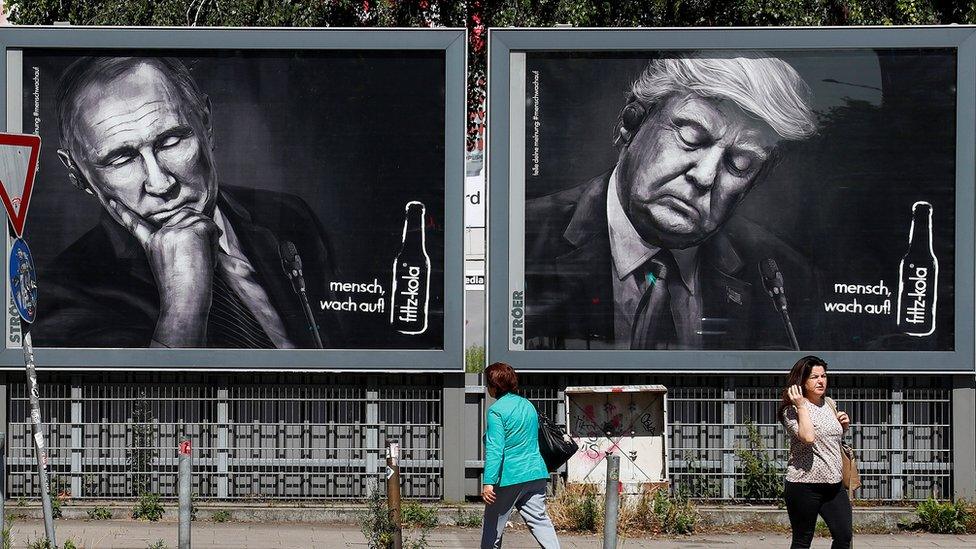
column 804, row 501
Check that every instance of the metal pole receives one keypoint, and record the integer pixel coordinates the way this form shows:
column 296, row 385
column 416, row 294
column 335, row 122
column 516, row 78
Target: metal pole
column 186, row 503
column 35, row 404
column 612, row 503
column 393, row 492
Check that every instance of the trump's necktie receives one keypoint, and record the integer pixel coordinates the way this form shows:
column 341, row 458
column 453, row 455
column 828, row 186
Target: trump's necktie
column 653, row 326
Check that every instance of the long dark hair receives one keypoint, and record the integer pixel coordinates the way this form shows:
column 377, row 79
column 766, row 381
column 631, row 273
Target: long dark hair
column 798, row 376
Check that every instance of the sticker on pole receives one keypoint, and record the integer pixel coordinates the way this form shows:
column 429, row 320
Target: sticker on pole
column 18, row 163
column 23, row 280
column 185, row 448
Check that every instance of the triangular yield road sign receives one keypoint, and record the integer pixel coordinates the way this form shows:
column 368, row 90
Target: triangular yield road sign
column 18, row 162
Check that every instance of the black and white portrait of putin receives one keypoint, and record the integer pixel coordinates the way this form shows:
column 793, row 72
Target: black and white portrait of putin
column 698, row 133
column 180, row 258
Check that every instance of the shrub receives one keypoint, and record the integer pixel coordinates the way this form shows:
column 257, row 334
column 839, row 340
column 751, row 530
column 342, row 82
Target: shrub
column 99, row 513
column 57, row 494
column 221, row 516
column 375, row 523
column 415, row 514
column 158, row 544
column 676, row 514
column 148, row 507
column 970, row 522
column 696, row 484
column 5, row 541
column 474, row 359
column 657, row 512
column 761, row 478
column 577, row 508
column 378, row 527
column 40, row 543
column 943, row 517
column 467, row 519
column 69, row 544
column 142, row 454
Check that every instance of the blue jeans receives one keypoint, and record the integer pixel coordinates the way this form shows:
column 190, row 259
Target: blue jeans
column 530, row 500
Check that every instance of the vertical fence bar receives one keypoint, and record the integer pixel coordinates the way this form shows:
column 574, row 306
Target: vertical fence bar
column 897, row 437
column 728, row 439
column 77, row 419
column 223, row 438
column 372, row 435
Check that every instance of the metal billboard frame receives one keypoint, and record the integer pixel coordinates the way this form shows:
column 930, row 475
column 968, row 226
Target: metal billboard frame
column 451, row 41
column 504, row 42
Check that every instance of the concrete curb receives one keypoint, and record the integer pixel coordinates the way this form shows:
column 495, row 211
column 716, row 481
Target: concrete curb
column 874, row 518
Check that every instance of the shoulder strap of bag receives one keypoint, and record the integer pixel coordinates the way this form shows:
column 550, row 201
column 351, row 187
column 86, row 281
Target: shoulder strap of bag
column 833, row 406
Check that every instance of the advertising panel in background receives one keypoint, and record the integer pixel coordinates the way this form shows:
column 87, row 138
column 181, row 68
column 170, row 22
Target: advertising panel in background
column 275, row 192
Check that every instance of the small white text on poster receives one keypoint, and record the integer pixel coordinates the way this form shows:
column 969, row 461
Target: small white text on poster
column 536, row 123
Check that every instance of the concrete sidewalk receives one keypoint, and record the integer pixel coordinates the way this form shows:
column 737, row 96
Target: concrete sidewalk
column 129, row 534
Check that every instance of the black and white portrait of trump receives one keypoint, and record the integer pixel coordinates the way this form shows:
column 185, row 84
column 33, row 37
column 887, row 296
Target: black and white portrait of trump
column 179, row 258
column 650, row 254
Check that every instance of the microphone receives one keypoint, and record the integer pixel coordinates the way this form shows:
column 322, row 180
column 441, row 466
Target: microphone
column 291, row 263
column 772, row 280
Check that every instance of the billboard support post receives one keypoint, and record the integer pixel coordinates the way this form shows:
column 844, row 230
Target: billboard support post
column 41, row 452
column 453, row 417
column 963, row 438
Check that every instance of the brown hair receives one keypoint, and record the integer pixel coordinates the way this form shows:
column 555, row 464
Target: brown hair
column 502, row 377
column 798, row 376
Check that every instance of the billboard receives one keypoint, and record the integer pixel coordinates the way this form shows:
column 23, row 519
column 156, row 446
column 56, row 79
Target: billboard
column 711, row 208
column 237, row 199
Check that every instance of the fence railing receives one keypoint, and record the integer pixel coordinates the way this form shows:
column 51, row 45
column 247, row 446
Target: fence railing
column 306, row 436
column 272, row 438
column 901, row 430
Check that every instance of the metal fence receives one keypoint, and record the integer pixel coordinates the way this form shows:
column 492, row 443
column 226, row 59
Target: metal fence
column 901, row 430
column 269, row 437
column 306, row 436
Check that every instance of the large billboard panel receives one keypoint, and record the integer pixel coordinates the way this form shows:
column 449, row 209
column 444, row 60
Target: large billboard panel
column 673, row 205
column 249, row 201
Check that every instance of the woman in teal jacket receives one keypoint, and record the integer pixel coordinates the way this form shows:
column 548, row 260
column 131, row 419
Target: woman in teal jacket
column 515, row 473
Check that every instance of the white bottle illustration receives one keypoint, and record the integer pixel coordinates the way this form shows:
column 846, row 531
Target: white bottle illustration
column 918, row 276
column 411, row 275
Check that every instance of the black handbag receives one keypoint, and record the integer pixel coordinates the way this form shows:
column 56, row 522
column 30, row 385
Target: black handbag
column 554, row 444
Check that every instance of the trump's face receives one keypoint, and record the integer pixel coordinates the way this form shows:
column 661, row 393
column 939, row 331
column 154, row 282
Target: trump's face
column 137, row 142
column 687, row 168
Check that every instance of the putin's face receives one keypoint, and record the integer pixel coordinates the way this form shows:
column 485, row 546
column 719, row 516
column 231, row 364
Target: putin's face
column 138, row 142
column 688, row 167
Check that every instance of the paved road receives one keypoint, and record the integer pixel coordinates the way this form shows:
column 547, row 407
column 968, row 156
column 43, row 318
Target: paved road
column 128, row 534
